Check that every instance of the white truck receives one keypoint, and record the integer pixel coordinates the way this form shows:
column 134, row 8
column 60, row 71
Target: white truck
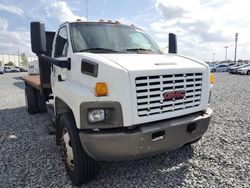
column 115, row 95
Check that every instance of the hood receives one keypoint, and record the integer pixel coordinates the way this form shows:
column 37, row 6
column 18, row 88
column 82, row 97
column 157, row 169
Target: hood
column 135, row 62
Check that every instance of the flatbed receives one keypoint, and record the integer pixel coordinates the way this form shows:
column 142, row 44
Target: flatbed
column 33, row 80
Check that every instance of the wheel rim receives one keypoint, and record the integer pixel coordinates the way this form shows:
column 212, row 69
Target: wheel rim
column 67, row 149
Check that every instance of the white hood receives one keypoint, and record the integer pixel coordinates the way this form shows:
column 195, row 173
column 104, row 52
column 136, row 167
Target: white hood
column 140, row 62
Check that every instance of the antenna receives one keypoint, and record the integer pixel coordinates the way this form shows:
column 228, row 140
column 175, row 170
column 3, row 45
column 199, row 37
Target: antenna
column 86, row 9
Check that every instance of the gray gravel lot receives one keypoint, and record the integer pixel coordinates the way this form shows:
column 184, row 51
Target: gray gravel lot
column 220, row 159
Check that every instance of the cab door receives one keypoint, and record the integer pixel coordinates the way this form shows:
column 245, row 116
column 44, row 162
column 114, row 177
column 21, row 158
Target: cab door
column 60, row 52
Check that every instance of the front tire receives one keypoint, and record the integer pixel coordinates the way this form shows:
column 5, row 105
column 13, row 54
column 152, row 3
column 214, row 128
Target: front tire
column 80, row 166
column 248, row 72
column 213, row 70
column 194, row 141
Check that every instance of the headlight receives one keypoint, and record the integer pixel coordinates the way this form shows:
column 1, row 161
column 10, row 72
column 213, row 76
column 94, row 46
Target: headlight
column 96, row 115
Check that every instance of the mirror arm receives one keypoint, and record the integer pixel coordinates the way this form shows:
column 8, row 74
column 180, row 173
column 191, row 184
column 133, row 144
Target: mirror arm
column 59, row 63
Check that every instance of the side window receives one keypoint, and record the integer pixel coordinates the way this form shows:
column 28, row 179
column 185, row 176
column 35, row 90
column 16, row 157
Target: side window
column 61, row 43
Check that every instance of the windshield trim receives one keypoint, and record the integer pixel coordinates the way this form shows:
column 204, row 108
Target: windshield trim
column 113, row 24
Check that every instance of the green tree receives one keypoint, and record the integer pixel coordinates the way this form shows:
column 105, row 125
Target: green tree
column 24, row 59
column 9, row 64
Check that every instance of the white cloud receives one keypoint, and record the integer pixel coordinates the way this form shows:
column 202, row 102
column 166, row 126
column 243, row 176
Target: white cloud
column 62, row 12
column 204, row 27
column 11, row 9
column 12, row 41
column 19, row 38
column 3, row 24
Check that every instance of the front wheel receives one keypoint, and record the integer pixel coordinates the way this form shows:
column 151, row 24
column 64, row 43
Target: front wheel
column 248, row 72
column 80, row 166
column 194, row 141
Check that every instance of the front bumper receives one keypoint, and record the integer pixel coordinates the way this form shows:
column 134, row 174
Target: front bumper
column 116, row 145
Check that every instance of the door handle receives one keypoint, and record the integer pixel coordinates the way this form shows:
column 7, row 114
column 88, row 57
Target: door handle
column 61, row 78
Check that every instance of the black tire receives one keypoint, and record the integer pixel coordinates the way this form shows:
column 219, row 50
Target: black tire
column 213, row 70
column 84, row 167
column 194, row 141
column 31, row 99
column 248, row 72
column 41, row 103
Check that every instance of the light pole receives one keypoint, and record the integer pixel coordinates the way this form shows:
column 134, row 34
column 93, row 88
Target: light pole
column 235, row 50
column 18, row 60
column 213, row 56
column 226, row 47
column 86, row 9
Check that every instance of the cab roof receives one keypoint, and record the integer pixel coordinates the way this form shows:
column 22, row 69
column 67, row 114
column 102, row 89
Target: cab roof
column 100, row 21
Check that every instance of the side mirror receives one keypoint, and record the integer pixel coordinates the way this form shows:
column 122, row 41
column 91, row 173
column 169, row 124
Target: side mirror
column 38, row 37
column 172, row 43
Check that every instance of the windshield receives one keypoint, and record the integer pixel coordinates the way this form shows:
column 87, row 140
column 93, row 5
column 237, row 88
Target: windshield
column 110, row 38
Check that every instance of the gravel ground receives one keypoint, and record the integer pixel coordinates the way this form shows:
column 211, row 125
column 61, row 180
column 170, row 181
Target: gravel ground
column 29, row 156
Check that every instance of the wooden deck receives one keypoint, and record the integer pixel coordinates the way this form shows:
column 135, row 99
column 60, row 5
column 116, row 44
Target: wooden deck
column 33, row 80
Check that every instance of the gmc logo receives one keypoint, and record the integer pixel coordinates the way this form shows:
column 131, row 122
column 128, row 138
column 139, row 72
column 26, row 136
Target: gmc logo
column 174, row 95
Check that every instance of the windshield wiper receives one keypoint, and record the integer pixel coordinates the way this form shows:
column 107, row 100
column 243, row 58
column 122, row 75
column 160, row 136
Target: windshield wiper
column 98, row 49
column 141, row 49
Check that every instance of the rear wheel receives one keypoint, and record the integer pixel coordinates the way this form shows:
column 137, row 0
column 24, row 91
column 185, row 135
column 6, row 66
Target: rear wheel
column 248, row 72
column 213, row 70
column 30, row 99
column 81, row 168
column 41, row 103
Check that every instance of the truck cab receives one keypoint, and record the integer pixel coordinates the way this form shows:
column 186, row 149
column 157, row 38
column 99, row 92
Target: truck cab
column 116, row 96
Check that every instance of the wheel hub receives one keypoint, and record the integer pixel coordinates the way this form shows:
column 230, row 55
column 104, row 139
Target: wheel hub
column 67, row 149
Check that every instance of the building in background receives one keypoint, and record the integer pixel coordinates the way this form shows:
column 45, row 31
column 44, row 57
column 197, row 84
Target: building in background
column 15, row 59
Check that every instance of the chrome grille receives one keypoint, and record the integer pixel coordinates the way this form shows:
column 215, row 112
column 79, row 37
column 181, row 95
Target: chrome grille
column 150, row 91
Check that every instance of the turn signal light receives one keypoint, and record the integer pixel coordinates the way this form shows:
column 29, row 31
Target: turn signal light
column 212, row 78
column 101, row 89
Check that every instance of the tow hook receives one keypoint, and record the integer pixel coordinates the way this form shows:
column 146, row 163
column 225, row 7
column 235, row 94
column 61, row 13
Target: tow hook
column 160, row 135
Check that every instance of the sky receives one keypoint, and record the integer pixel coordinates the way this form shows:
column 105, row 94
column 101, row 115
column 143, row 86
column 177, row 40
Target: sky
column 203, row 28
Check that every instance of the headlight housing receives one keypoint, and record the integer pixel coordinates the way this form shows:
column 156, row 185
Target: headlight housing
column 100, row 115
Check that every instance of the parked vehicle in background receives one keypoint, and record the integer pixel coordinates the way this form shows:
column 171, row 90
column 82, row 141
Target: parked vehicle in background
column 2, row 70
column 220, row 68
column 8, row 69
column 234, row 69
column 212, row 65
column 16, row 69
column 33, row 67
column 245, row 70
column 231, row 64
column 23, row 69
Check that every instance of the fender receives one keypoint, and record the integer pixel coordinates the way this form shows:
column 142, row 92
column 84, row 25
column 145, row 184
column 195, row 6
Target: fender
column 75, row 95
